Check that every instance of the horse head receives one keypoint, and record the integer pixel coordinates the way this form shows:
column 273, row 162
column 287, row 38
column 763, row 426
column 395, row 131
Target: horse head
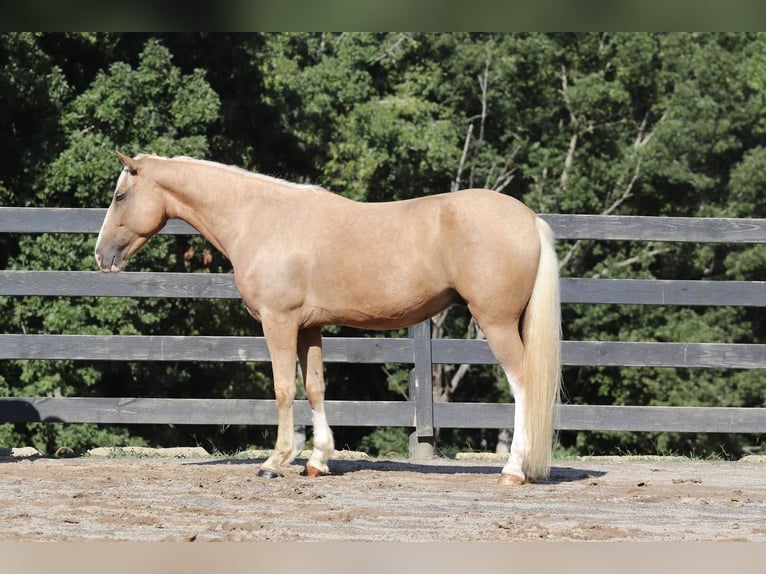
column 136, row 213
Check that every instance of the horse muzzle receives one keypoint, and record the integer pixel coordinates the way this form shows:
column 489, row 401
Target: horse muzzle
column 111, row 263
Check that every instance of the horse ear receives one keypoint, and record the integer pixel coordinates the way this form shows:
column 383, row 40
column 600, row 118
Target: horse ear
column 128, row 162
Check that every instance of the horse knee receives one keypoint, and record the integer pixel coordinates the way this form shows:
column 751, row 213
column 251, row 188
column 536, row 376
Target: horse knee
column 284, row 394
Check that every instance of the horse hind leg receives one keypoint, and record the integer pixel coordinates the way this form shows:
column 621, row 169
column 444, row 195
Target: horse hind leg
column 310, row 357
column 533, row 366
column 506, row 344
column 513, row 471
column 534, row 378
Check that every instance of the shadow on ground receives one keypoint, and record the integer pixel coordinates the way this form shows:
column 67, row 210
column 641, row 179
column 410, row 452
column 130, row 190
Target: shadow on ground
column 439, row 466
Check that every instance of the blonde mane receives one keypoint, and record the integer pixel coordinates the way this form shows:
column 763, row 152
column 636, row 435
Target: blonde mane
column 236, row 169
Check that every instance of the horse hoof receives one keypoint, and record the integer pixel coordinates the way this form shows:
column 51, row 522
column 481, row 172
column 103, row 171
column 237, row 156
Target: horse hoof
column 510, row 480
column 268, row 473
column 314, row 471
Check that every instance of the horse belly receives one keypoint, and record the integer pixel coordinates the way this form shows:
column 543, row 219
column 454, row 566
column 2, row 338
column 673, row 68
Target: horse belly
column 375, row 297
column 390, row 314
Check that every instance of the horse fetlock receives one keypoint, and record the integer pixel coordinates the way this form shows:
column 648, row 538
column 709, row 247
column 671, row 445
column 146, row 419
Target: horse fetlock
column 279, row 459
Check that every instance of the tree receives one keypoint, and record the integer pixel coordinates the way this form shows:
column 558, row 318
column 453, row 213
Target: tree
column 634, row 124
column 154, row 108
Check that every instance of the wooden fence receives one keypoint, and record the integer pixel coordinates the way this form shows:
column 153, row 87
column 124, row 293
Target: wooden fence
column 418, row 348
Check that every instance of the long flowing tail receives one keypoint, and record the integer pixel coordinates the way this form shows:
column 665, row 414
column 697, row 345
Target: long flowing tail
column 541, row 369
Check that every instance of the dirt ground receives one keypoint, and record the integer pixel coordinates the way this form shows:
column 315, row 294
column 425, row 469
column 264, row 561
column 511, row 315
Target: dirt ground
column 213, row 498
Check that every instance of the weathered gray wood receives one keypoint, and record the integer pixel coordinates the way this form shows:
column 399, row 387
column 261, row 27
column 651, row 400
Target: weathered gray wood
column 197, row 411
column 376, row 413
column 221, row 286
column 662, row 419
column 461, row 351
column 374, row 350
column 664, row 292
column 367, row 350
column 127, row 284
column 421, row 379
column 67, row 220
column 648, row 228
column 617, row 353
column 614, row 418
column 133, row 348
column 196, row 348
column 566, row 226
column 50, row 220
column 637, row 354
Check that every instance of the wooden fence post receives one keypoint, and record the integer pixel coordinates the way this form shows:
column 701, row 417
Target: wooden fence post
column 421, row 391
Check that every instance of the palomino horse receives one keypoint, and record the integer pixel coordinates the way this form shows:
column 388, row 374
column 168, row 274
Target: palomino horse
column 304, row 257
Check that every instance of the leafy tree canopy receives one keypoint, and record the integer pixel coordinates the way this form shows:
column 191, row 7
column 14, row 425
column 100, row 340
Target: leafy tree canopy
column 638, row 124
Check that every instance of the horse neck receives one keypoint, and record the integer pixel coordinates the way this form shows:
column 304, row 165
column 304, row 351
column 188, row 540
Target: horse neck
column 204, row 197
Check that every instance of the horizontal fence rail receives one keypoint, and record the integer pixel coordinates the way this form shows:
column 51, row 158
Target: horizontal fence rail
column 565, row 226
column 373, row 414
column 68, row 220
column 647, row 228
column 372, row 350
column 221, row 286
column 417, row 349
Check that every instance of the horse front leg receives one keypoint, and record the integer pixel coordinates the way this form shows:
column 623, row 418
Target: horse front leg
column 281, row 341
column 310, row 357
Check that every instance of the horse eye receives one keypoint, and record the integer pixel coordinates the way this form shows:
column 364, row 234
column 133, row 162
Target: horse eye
column 119, row 196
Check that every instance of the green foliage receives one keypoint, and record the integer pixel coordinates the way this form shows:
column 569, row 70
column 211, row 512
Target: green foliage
column 153, row 108
column 385, row 441
column 634, row 124
column 393, row 148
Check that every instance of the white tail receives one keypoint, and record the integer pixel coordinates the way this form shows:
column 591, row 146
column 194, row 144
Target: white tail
column 541, row 369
